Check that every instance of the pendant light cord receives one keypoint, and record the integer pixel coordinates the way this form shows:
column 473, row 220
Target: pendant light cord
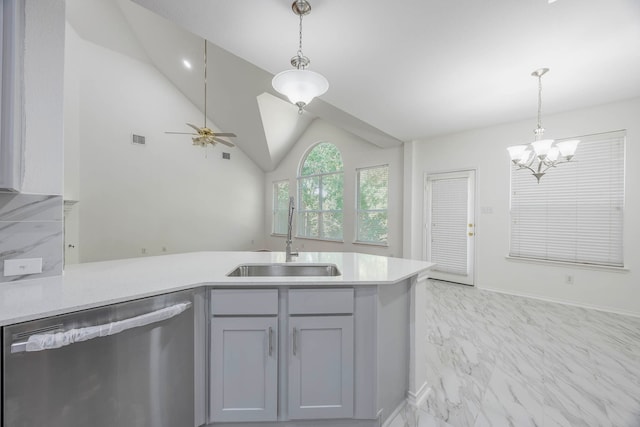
column 539, row 101
column 300, row 54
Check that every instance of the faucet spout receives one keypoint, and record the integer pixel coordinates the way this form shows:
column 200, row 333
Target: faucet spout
column 288, row 253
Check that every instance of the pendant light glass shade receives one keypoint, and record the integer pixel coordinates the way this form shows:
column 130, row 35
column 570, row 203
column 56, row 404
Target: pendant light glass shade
column 300, row 86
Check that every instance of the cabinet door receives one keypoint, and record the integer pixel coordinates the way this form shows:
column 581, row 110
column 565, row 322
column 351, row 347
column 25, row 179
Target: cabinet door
column 244, row 369
column 321, row 367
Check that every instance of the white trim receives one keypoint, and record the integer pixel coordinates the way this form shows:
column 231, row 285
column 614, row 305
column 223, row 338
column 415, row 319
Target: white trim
column 561, row 301
column 417, row 399
column 567, row 264
column 396, row 413
column 320, row 239
column 379, row 244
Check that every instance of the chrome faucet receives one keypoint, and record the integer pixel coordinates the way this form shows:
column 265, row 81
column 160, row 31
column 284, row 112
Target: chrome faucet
column 288, row 252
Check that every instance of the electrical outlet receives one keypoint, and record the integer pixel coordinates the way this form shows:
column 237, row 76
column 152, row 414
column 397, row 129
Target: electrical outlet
column 19, row 267
column 143, row 251
column 568, row 279
column 164, row 249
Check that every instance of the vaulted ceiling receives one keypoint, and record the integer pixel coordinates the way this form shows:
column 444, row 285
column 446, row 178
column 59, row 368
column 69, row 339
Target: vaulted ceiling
column 398, row 71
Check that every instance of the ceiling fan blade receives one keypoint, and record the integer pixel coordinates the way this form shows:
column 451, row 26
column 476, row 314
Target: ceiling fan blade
column 228, row 134
column 181, row 133
column 222, row 141
column 194, row 126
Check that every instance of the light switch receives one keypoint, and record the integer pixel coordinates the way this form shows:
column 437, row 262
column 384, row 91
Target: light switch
column 19, row 267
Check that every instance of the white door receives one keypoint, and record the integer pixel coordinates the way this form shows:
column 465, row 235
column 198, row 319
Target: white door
column 321, row 367
column 450, row 225
column 244, row 369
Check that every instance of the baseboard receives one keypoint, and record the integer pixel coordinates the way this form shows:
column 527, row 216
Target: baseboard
column 561, row 301
column 418, row 398
column 395, row 414
column 412, row 403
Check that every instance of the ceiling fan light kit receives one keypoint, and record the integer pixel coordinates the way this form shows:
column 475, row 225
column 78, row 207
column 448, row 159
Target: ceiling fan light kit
column 300, row 85
column 541, row 154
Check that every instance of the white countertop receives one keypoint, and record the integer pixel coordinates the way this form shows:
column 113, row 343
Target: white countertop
column 96, row 284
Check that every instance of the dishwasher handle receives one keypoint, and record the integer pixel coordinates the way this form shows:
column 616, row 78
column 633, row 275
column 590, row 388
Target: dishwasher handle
column 40, row 342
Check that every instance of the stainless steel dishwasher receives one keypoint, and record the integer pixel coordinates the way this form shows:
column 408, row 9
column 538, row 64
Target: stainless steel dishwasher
column 125, row 365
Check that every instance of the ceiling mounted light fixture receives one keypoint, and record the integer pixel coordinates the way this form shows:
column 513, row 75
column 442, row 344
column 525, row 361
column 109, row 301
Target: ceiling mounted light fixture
column 300, row 85
column 542, row 154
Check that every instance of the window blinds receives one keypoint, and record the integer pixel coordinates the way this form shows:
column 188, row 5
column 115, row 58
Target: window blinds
column 449, row 211
column 575, row 213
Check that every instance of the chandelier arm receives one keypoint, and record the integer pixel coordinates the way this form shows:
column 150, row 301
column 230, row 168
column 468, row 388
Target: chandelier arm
column 526, row 167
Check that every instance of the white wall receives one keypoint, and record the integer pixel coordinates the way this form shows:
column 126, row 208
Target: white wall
column 356, row 153
column 485, row 150
column 166, row 196
column 43, row 88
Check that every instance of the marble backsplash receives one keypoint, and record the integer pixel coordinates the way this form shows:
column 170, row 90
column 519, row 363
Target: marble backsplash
column 31, row 226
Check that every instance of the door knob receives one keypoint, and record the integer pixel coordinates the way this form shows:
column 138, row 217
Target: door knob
column 470, row 234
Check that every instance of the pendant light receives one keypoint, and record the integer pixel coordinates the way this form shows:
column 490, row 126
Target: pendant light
column 542, row 154
column 300, row 85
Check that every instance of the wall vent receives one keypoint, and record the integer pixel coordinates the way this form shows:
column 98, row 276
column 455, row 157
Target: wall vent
column 138, row 139
column 226, row 156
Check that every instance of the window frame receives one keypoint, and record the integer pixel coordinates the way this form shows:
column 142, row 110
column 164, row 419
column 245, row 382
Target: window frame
column 321, row 178
column 274, row 206
column 357, row 239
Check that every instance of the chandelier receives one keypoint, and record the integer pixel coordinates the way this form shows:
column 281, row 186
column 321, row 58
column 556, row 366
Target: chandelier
column 300, row 85
column 542, row 154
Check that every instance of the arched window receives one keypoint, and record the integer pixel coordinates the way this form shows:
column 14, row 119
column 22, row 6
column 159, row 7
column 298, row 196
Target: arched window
column 320, row 193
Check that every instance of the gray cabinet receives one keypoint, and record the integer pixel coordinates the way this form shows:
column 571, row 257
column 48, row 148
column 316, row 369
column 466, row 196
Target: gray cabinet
column 244, row 355
column 321, row 358
column 321, row 367
column 313, row 377
column 244, row 375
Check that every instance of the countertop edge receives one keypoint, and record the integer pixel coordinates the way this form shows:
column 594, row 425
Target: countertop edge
column 113, row 282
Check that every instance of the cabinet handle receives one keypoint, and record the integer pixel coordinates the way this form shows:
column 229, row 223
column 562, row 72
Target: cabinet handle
column 295, row 341
column 270, row 340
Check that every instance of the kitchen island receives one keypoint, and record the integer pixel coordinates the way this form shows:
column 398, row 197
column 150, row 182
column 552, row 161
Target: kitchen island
column 358, row 329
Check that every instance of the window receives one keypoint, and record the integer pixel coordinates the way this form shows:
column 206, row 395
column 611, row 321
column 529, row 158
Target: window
column 372, row 202
column 575, row 214
column 320, row 193
column 280, row 206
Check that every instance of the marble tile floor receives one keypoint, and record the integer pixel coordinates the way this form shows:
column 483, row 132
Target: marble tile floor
column 502, row 360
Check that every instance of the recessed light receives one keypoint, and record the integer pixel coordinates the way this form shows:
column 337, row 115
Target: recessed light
column 552, row 1
column 186, row 64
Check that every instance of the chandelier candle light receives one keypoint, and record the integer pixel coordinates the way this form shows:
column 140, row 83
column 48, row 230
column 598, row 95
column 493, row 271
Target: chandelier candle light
column 300, row 85
column 542, row 154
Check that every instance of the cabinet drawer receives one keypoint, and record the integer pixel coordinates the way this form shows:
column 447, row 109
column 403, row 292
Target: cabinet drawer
column 234, row 302
column 321, row 301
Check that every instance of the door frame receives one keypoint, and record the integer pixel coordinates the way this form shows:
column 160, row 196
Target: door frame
column 472, row 174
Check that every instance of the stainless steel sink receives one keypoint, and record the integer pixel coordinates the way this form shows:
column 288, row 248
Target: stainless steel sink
column 278, row 270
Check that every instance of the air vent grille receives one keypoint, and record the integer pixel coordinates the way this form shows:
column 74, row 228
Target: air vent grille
column 138, row 139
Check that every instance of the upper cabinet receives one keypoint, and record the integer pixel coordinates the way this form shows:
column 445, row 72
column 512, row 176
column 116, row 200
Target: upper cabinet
column 11, row 107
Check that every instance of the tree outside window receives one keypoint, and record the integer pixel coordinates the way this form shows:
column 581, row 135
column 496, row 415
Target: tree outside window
column 320, row 193
column 372, row 205
column 280, row 206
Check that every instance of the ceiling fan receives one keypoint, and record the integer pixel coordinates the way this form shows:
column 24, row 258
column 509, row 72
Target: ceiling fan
column 204, row 134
